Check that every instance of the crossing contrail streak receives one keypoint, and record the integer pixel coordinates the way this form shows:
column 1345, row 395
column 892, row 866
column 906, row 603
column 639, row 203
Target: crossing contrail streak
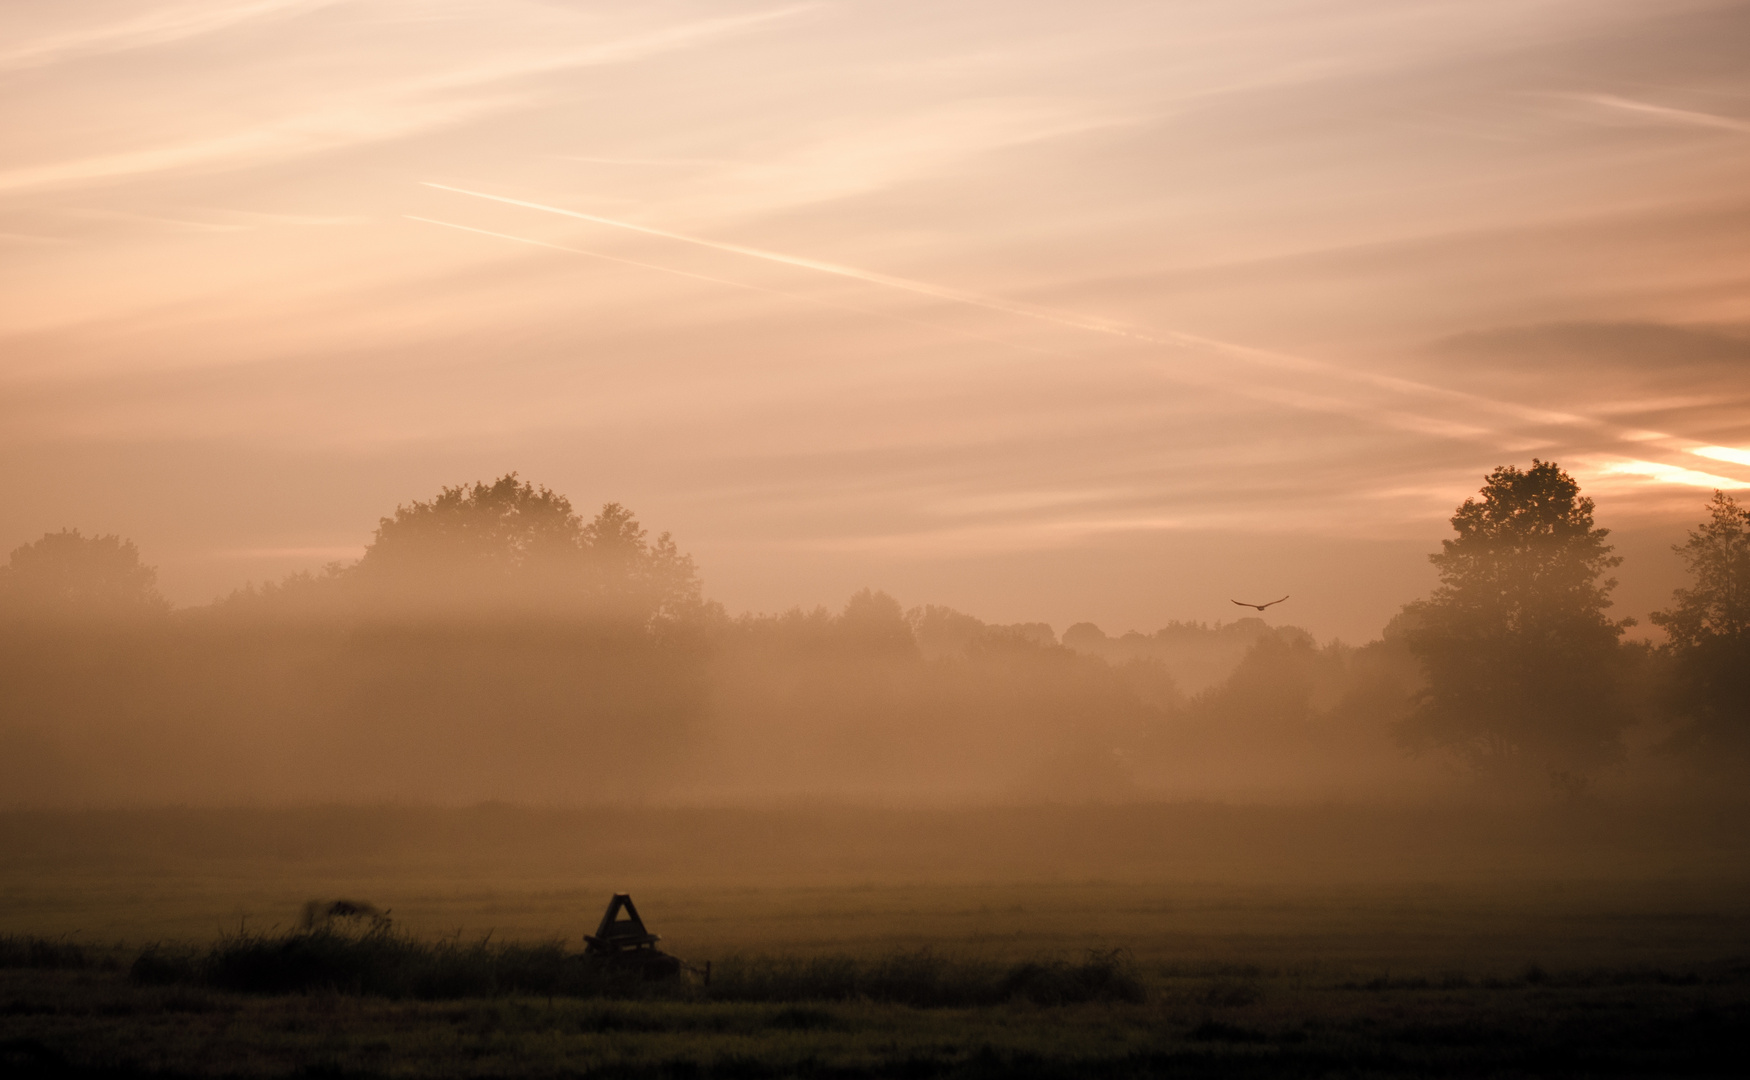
column 1169, row 339
column 1190, row 377
column 802, row 297
column 922, row 288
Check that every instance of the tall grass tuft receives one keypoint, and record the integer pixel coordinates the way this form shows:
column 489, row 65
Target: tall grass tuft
column 29, row 951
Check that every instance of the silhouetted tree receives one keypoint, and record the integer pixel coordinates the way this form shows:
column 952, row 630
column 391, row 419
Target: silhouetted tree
column 68, row 576
column 1709, row 631
column 873, row 622
column 509, row 544
column 493, row 530
column 1518, row 653
column 637, row 574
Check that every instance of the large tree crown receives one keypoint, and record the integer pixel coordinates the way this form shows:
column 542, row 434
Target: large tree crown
column 510, row 545
column 1531, row 535
column 1518, row 653
column 498, row 528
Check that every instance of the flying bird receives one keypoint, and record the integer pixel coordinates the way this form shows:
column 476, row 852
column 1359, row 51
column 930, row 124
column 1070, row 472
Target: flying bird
column 1260, row 607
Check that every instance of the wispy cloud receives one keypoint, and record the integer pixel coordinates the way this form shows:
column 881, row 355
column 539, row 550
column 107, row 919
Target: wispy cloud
column 877, row 154
column 373, row 114
column 163, row 26
column 617, row 51
column 329, row 129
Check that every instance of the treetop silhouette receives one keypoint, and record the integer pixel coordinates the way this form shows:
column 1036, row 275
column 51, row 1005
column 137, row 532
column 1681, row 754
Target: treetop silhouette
column 1717, row 555
column 66, row 575
column 1519, row 656
column 509, row 545
column 1708, row 626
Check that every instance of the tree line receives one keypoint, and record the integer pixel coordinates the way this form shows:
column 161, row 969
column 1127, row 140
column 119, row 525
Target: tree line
column 493, row 643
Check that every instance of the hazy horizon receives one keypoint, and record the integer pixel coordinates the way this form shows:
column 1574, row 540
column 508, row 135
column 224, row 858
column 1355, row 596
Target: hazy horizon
column 1158, row 600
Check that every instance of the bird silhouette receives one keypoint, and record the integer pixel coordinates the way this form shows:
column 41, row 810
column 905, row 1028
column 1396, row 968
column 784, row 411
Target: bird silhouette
column 1260, row 607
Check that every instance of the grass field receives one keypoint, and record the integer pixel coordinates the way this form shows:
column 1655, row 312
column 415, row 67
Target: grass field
column 1268, row 940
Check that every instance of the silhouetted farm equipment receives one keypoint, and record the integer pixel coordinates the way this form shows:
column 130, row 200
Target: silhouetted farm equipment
column 625, row 943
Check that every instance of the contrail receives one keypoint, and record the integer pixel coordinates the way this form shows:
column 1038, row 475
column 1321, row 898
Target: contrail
column 1666, row 112
column 802, row 297
column 1187, row 376
column 922, row 288
column 1266, row 357
column 599, row 255
column 1169, row 339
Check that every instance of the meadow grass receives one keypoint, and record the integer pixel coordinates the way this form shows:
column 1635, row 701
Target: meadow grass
column 1618, row 960
column 387, row 963
column 1202, row 1022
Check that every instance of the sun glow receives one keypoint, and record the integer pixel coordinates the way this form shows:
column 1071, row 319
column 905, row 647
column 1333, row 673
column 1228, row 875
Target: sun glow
column 1675, row 474
column 1724, row 453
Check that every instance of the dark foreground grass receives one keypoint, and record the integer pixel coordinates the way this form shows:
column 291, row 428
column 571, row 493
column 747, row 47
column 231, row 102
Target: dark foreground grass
column 86, row 1022
column 75, row 1014
column 390, row 964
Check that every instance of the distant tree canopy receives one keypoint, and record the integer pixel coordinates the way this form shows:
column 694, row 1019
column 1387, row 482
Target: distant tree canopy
column 511, row 546
column 69, row 576
column 1709, row 630
column 1519, row 656
column 490, row 533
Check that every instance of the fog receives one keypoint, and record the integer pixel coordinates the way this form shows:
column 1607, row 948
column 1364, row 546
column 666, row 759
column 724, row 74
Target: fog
column 494, row 645
column 962, row 365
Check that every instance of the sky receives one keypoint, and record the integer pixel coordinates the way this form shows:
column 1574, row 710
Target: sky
column 1043, row 311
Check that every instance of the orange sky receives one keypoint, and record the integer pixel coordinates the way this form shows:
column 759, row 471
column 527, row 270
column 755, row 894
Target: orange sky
column 1044, row 311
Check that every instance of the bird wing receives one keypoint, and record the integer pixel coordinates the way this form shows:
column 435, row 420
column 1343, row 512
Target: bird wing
column 1272, row 603
column 1242, row 603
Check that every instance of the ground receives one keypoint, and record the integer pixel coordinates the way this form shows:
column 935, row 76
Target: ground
column 1359, row 944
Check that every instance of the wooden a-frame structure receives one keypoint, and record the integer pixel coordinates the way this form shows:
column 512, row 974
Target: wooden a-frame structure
column 616, row 935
